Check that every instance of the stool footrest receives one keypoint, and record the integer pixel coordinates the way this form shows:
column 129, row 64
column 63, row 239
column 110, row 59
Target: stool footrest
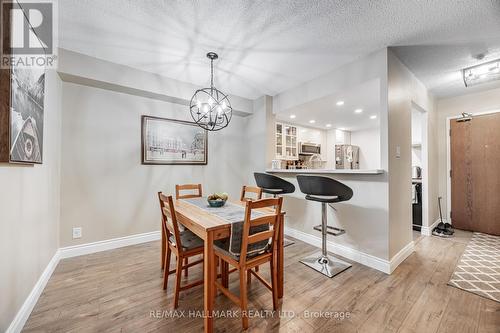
column 336, row 232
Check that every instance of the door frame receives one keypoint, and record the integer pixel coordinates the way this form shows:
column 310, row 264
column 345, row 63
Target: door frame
column 425, row 230
column 447, row 218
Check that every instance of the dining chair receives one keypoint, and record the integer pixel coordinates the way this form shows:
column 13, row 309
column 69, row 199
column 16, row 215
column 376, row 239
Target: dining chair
column 183, row 244
column 257, row 191
column 245, row 261
column 195, row 191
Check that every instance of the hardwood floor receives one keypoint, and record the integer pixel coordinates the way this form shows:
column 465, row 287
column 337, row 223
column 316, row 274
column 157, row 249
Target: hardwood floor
column 121, row 291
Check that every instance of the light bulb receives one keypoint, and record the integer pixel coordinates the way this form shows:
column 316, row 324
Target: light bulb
column 210, row 101
column 224, row 105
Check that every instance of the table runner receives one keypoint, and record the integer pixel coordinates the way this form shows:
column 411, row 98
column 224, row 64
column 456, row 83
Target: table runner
column 234, row 214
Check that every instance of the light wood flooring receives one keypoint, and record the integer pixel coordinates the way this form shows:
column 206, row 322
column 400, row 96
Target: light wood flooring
column 121, row 290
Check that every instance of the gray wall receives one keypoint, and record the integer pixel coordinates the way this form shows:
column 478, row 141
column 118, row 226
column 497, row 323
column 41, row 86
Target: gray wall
column 105, row 189
column 29, row 213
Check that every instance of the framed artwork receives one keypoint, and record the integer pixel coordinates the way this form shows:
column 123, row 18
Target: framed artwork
column 22, row 92
column 169, row 141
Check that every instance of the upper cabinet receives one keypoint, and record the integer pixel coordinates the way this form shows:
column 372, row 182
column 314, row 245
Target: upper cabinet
column 286, row 142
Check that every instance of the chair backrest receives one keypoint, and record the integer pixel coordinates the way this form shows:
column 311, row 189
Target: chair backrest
column 272, row 182
column 250, row 189
column 195, row 191
column 169, row 220
column 270, row 219
column 324, row 186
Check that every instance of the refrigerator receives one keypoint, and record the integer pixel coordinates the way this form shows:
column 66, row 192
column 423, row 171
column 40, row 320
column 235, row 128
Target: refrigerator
column 346, row 157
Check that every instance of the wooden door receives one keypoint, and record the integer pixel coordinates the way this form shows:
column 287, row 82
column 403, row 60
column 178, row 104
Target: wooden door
column 475, row 174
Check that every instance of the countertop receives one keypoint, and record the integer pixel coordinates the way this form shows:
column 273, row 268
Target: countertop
column 328, row 171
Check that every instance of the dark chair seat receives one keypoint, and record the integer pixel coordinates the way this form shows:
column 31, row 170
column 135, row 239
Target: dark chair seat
column 273, row 191
column 327, row 199
column 223, row 246
column 188, row 239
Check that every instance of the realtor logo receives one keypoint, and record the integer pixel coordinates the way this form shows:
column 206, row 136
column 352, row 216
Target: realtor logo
column 30, row 26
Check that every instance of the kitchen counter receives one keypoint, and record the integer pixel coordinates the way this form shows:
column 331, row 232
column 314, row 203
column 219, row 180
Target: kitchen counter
column 329, row 171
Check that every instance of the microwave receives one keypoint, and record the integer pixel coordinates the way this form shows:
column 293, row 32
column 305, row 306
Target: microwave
column 307, row 148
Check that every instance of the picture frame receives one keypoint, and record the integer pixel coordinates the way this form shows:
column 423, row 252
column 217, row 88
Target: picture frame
column 166, row 141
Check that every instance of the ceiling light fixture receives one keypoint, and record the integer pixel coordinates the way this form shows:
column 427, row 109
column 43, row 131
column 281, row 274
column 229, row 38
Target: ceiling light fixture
column 292, row 116
column 328, row 125
column 358, row 111
column 486, row 72
column 373, row 117
column 340, row 103
column 210, row 107
column 312, row 121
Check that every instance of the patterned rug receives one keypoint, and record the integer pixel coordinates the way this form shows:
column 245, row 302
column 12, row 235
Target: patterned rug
column 478, row 271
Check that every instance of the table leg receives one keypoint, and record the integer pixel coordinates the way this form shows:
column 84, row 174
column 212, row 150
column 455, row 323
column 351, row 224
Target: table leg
column 281, row 258
column 209, row 279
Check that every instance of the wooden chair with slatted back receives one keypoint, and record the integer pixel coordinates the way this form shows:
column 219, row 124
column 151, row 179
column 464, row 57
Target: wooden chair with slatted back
column 257, row 191
column 183, row 244
column 244, row 263
column 196, row 188
column 195, row 191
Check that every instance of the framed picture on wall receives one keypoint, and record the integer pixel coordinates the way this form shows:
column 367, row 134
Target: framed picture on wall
column 169, row 141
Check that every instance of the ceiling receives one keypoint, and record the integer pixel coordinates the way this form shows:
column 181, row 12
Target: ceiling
column 268, row 46
column 326, row 111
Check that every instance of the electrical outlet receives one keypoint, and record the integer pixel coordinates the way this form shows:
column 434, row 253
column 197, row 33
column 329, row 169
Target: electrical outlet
column 77, row 232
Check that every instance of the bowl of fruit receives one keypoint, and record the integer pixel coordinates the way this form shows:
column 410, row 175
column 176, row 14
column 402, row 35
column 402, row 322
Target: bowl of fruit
column 217, row 199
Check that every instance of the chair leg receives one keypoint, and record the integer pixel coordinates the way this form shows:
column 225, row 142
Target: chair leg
column 166, row 268
column 274, row 282
column 243, row 298
column 163, row 246
column 178, row 275
column 186, row 262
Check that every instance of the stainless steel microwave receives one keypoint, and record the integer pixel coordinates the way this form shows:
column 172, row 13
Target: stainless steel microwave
column 307, row 148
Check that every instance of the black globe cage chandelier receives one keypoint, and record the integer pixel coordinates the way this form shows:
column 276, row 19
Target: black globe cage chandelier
column 210, row 107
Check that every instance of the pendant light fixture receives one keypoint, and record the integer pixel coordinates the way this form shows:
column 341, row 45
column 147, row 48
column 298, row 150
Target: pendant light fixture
column 210, row 107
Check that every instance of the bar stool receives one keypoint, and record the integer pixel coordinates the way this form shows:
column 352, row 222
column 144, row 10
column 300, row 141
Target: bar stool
column 274, row 185
column 327, row 191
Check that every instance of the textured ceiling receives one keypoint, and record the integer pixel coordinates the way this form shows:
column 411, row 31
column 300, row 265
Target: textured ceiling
column 269, row 46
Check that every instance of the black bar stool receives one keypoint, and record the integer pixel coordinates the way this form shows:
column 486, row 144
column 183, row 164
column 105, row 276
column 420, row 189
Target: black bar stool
column 274, row 185
column 327, row 191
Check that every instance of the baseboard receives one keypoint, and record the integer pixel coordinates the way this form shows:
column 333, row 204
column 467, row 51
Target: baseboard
column 386, row 266
column 404, row 253
column 110, row 244
column 427, row 231
column 24, row 312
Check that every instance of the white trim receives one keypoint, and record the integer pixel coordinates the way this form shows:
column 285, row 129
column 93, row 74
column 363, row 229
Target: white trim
column 109, row 244
column 24, row 312
column 383, row 265
column 427, row 231
column 448, row 157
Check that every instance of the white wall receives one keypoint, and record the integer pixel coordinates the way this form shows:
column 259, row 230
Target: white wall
column 29, row 213
column 105, row 189
column 369, row 147
column 405, row 90
column 450, row 107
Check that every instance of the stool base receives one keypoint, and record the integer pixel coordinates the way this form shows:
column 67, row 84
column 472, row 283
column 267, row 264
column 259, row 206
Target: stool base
column 329, row 266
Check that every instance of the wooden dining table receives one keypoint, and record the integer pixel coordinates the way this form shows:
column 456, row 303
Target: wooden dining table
column 210, row 227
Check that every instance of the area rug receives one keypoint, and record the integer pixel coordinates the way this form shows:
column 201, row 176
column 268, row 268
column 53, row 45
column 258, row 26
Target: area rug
column 478, row 271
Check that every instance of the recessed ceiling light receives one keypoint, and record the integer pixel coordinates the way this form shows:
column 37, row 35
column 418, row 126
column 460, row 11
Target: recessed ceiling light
column 312, row 121
column 373, row 117
column 341, row 129
column 358, row 111
column 340, row 103
column 328, row 125
column 292, row 116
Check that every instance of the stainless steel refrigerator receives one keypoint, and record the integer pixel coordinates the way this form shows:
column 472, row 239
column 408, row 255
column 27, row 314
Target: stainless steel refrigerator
column 346, row 157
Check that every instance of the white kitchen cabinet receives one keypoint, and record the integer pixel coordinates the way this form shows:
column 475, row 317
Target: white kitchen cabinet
column 286, row 142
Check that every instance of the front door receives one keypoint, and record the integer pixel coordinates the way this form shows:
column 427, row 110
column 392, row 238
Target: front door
column 475, row 173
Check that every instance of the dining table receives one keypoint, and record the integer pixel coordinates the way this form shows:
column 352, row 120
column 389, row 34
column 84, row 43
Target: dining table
column 211, row 227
